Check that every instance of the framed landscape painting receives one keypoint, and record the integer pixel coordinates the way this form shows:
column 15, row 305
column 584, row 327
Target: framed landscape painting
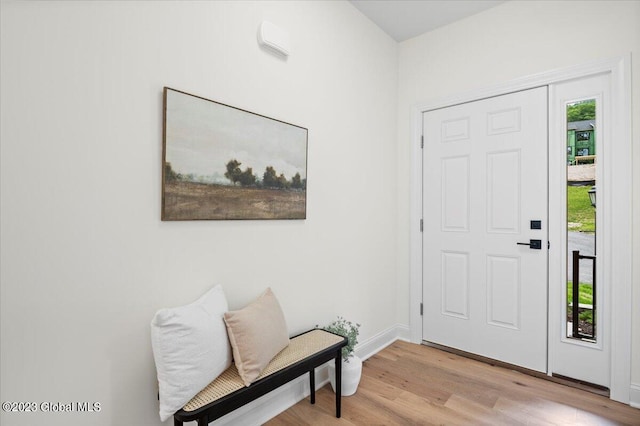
column 221, row 162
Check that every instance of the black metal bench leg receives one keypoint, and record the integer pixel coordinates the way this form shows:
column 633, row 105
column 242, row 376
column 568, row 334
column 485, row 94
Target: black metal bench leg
column 203, row 421
column 338, row 382
column 177, row 422
column 312, row 386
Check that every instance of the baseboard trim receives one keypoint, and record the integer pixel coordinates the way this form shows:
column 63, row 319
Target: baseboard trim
column 270, row 405
column 375, row 344
column 634, row 395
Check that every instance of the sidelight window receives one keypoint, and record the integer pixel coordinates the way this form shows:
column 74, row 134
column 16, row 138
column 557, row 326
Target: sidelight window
column 581, row 221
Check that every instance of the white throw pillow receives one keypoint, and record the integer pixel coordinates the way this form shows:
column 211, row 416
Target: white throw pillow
column 190, row 348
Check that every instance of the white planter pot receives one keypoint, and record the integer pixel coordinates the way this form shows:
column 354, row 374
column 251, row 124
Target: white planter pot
column 351, row 373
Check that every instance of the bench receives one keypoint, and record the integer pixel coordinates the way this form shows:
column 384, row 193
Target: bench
column 227, row 392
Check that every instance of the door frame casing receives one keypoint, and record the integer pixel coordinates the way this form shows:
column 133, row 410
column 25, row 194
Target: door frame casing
column 616, row 232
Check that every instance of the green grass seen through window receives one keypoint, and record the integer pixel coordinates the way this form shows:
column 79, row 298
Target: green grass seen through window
column 581, row 215
column 586, row 297
column 586, row 293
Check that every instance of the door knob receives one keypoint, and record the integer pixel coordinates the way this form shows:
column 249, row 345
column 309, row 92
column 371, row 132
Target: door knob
column 533, row 244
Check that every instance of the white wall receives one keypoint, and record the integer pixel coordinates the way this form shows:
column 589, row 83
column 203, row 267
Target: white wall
column 86, row 261
column 513, row 40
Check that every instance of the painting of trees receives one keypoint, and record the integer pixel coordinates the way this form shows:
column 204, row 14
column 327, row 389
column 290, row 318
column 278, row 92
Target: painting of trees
column 222, row 162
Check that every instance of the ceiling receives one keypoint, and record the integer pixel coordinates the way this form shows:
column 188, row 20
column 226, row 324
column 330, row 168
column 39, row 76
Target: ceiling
column 404, row 19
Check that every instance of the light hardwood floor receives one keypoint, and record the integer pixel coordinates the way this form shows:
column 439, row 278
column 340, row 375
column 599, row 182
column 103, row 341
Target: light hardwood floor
column 408, row 384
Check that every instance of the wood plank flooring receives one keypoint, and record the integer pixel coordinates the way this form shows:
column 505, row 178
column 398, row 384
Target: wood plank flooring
column 408, row 384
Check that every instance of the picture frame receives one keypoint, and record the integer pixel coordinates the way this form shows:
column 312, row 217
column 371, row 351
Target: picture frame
column 221, row 162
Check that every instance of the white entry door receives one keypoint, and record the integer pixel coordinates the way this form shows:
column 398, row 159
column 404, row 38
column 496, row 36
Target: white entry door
column 485, row 228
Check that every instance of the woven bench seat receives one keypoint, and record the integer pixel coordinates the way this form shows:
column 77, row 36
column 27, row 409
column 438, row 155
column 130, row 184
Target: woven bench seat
column 227, row 392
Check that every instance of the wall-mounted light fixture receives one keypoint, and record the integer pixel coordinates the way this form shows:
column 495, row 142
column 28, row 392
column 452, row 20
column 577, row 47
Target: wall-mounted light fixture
column 592, row 196
column 274, row 38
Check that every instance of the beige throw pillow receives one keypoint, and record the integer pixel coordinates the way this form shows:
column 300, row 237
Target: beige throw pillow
column 257, row 333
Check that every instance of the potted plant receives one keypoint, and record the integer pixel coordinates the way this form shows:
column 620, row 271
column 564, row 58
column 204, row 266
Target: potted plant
column 351, row 364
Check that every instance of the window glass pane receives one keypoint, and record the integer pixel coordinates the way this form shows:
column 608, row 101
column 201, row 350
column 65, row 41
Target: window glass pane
column 581, row 223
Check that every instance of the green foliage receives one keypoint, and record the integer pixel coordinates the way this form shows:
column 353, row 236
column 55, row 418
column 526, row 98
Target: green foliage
column 585, row 110
column 270, row 179
column 283, row 183
column 347, row 329
column 580, row 213
column 296, row 182
column 233, row 172
column 247, row 178
column 586, row 316
column 169, row 174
